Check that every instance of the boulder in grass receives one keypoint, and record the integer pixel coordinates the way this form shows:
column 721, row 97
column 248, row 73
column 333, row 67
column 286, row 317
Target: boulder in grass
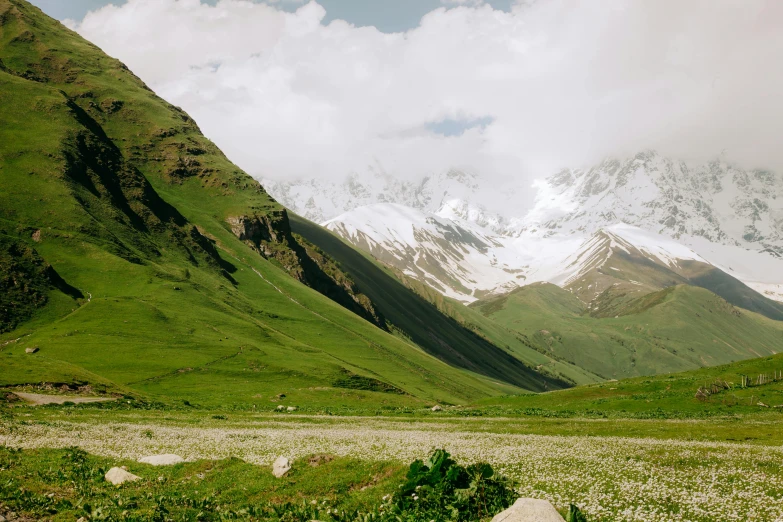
column 291, row 408
column 281, row 466
column 437, row 407
column 529, row 510
column 167, row 459
column 119, row 476
column 34, row 349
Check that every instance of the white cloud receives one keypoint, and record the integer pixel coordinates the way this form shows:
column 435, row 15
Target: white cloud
column 561, row 82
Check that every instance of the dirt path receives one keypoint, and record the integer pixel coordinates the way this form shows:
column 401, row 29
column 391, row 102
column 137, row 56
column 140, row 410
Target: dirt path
column 40, row 398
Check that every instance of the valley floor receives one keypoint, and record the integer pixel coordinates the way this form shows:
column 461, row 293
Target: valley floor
column 616, row 469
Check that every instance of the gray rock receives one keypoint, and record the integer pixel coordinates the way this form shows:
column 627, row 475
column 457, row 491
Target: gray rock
column 118, row 476
column 280, row 407
column 162, row 460
column 291, row 408
column 281, row 466
column 2, row 518
column 31, row 350
column 437, row 407
column 529, row 510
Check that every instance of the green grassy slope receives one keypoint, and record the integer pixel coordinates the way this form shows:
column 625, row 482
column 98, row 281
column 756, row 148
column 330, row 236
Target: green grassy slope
column 155, row 265
column 731, row 289
column 669, row 396
column 451, row 332
column 675, row 329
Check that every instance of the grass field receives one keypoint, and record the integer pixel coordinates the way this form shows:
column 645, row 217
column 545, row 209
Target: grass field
column 633, row 450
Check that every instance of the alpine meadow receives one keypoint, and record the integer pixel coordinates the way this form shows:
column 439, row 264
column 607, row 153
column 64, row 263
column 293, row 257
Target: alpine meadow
column 373, row 282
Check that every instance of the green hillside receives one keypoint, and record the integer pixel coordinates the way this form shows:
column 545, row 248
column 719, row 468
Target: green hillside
column 670, row 395
column 136, row 256
column 676, row 329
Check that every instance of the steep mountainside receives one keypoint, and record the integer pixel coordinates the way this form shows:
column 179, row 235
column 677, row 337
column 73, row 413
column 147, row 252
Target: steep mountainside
column 678, row 328
column 134, row 254
column 621, row 263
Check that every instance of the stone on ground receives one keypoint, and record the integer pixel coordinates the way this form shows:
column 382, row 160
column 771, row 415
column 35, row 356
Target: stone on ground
column 291, row 408
column 281, row 466
column 529, row 510
column 437, row 407
column 118, row 476
column 162, row 460
column 34, row 349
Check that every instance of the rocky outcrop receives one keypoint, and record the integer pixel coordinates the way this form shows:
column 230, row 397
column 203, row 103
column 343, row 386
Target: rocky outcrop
column 529, row 510
column 270, row 235
column 261, row 229
column 167, row 459
column 281, row 466
column 119, row 476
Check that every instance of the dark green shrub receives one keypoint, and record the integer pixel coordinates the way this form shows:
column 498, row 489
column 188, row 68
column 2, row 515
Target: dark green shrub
column 440, row 489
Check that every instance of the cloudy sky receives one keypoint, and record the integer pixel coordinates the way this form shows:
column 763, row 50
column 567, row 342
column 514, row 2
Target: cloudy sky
column 512, row 89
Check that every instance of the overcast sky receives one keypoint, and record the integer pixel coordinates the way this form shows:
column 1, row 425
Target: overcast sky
column 292, row 90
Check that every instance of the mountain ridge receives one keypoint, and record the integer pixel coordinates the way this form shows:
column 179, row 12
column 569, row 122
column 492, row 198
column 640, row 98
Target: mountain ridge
column 730, row 217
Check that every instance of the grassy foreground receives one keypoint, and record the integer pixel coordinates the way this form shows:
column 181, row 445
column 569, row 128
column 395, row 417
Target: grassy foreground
column 644, row 449
column 618, row 469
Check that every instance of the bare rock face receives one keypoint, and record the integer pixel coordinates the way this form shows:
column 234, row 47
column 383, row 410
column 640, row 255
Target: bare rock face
column 529, row 510
column 119, row 476
column 281, row 466
column 257, row 229
column 167, row 459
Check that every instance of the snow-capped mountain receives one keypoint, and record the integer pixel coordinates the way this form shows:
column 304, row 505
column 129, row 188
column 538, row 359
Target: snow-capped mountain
column 452, row 194
column 457, row 258
column 732, row 217
column 467, row 262
column 717, row 201
column 446, row 232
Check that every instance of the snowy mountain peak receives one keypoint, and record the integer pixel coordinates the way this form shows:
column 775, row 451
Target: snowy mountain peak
column 715, row 201
column 458, row 235
column 451, row 193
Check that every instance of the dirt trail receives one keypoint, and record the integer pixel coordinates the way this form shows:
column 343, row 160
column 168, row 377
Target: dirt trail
column 40, row 398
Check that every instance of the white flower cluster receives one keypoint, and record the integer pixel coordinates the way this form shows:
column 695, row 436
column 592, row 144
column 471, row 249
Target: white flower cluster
column 612, row 478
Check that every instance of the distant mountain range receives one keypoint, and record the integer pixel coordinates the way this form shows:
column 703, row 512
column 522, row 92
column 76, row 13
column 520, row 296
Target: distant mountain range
column 442, row 231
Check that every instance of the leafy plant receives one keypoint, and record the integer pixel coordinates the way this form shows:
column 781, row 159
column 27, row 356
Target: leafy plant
column 441, row 489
